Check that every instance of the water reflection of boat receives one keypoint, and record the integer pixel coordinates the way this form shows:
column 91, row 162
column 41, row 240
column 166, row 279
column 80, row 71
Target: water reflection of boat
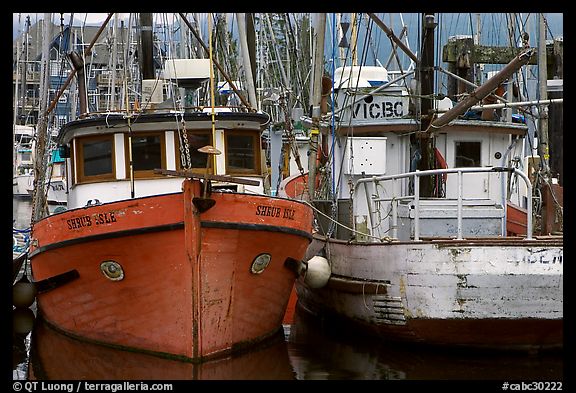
column 319, row 350
column 57, row 356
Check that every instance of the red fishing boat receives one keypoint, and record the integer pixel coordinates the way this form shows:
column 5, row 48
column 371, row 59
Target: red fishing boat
column 170, row 244
column 191, row 273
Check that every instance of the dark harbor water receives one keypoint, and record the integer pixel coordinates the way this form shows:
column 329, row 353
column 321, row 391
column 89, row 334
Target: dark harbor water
column 308, row 350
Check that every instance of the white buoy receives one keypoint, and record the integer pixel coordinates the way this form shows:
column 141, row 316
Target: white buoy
column 317, row 272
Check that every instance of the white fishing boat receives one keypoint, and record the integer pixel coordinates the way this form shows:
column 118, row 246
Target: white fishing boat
column 23, row 174
column 416, row 240
column 56, row 187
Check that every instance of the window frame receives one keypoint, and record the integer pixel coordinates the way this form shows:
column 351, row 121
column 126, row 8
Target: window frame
column 79, row 159
column 255, row 149
column 198, row 170
column 456, row 142
column 146, row 173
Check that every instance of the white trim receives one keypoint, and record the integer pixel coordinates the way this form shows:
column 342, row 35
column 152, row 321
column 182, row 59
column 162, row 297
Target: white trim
column 170, row 146
column 119, row 157
column 220, row 158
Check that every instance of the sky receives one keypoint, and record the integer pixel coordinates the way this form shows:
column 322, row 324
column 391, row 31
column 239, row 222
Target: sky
column 555, row 19
column 81, row 17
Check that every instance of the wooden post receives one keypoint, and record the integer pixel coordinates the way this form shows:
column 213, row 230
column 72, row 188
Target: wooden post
column 316, row 100
column 426, row 77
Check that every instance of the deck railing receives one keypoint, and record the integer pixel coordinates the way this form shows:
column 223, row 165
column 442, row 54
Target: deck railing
column 416, row 196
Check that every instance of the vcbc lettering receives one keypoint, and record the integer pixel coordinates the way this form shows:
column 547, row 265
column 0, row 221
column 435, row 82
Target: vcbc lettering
column 376, row 110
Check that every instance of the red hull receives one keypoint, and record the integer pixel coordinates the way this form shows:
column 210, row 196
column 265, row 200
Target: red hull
column 188, row 290
column 516, row 220
column 291, row 308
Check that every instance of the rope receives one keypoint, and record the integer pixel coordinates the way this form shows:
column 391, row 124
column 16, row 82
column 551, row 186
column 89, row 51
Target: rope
column 383, row 239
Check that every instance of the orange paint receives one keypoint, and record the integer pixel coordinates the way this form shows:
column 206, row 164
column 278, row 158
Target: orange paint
column 291, row 308
column 516, row 220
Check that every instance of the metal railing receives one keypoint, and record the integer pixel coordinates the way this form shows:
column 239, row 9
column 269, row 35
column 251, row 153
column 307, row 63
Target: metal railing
column 416, row 196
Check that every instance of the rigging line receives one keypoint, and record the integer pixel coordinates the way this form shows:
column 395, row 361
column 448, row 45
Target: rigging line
column 547, row 25
column 220, row 47
column 288, row 33
column 213, row 156
column 232, row 85
column 334, row 29
column 519, row 27
column 370, row 40
column 294, row 64
column 437, row 56
column 273, row 56
column 350, row 129
column 382, row 239
column 524, row 22
column 128, row 119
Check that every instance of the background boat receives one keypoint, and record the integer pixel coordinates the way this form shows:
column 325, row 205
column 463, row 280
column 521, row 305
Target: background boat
column 412, row 203
column 23, row 176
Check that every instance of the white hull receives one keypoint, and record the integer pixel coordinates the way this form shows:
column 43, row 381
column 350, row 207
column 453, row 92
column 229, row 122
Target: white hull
column 419, row 291
column 57, row 192
column 22, row 184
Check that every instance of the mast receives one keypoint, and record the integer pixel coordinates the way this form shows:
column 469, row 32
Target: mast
column 39, row 206
column 509, row 89
column 16, row 93
column 426, row 79
column 114, row 62
column 477, row 66
column 25, row 66
column 397, row 41
column 482, row 91
column 543, row 149
column 251, row 39
column 318, row 68
column 241, row 18
column 222, row 71
column 278, row 57
column 16, row 100
column 354, row 40
column 74, row 70
column 147, row 59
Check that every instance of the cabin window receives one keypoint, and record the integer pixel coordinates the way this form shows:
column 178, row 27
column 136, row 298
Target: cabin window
column 242, row 152
column 196, row 140
column 467, row 154
column 95, row 158
column 148, row 153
